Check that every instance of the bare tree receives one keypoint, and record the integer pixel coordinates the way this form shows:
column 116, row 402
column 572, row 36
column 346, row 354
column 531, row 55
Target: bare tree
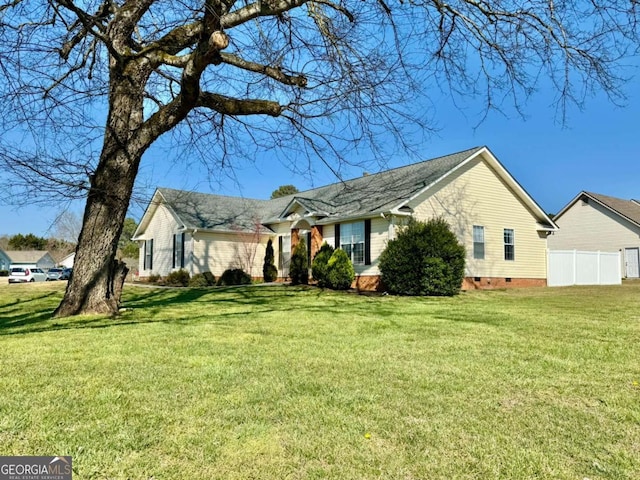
column 67, row 226
column 248, row 244
column 88, row 86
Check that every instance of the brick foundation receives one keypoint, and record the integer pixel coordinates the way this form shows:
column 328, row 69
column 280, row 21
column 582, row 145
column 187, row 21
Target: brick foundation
column 372, row 283
column 487, row 283
column 368, row 283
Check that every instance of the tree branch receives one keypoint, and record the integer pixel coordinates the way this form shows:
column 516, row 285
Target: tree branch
column 259, row 9
column 273, row 72
column 234, row 106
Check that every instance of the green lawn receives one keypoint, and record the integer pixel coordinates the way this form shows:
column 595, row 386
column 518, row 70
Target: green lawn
column 288, row 383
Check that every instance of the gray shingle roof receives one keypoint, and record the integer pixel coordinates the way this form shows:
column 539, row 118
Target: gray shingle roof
column 626, row 208
column 26, row 256
column 363, row 196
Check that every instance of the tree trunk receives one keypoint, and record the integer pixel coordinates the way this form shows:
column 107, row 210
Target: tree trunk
column 96, row 283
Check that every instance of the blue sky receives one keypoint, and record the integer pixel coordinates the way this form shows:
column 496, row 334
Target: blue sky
column 596, row 150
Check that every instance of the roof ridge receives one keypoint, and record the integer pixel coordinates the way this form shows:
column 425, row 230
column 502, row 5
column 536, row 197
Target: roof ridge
column 340, row 182
column 194, row 192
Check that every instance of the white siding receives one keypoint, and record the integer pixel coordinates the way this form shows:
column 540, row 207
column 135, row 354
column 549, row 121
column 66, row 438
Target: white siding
column 162, row 226
column 589, row 226
column 217, row 252
column 476, row 195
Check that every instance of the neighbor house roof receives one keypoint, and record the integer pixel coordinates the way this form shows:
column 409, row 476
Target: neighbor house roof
column 627, row 209
column 363, row 197
column 26, row 256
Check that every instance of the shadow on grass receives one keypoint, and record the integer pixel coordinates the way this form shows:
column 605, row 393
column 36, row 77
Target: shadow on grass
column 188, row 306
column 30, row 311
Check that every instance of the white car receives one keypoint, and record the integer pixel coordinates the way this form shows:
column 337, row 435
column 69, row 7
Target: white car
column 25, row 274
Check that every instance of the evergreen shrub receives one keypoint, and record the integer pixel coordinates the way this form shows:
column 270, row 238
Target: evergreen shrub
column 426, row 258
column 179, row 278
column 320, row 264
column 269, row 270
column 234, row 276
column 205, row 279
column 299, row 265
column 340, row 272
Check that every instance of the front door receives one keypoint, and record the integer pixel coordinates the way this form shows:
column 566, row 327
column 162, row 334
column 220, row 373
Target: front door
column 632, row 262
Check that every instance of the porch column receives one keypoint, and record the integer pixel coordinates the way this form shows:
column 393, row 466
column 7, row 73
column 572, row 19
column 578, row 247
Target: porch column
column 295, row 238
column 316, row 239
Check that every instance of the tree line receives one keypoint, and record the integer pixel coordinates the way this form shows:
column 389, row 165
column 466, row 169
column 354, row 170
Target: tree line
column 59, row 248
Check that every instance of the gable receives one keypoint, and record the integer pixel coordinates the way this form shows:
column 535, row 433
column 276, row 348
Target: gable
column 592, row 226
column 479, row 191
column 627, row 210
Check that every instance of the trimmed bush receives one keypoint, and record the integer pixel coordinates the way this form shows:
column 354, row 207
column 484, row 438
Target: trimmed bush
column 319, row 264
column 340, row 272
column 424, row 259
column 179, row 278
column 211, row 279
column 4, row 273
column 205, row 279
column 299, row 266
column 153, row 278
column 269, row 270
column 234, row 276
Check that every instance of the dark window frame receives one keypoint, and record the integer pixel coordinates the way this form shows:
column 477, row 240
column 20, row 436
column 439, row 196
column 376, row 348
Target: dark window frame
column 178, row 250
column 478, row 245
column 509, row 237
column 148, row 254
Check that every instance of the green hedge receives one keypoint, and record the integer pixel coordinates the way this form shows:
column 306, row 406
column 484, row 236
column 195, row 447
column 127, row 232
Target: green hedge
column 206, row 279
column 319, row 266
column 340, row 272
column 234, row 276
column 299, row 265
column 426, row 258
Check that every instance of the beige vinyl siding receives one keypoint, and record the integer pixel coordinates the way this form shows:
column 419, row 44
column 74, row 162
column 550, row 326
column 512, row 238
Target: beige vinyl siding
column 379, row 238
column 475, row 195
column 329, row 234
column 592, row 227
column 217, row 252
column 161, row 228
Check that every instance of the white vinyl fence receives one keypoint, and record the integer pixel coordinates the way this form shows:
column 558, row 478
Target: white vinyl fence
column 573, row 267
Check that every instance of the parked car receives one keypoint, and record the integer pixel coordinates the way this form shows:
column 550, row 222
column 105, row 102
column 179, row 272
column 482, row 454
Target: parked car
column 54, row 274
column 24, row 275
column 66, row 274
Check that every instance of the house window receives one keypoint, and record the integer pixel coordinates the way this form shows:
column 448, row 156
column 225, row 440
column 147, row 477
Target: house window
column 178, row 250
column 478, row 242
column 509, row 244
column 352, row 241
column 148, row 254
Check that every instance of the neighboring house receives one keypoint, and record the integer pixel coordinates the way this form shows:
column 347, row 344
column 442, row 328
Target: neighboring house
column 67, row 262
column 592, row 222
column 26, row 258
column 5, row 261
column 503, row 228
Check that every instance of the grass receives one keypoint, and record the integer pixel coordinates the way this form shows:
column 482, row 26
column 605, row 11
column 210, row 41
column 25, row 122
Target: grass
column 287, row 383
